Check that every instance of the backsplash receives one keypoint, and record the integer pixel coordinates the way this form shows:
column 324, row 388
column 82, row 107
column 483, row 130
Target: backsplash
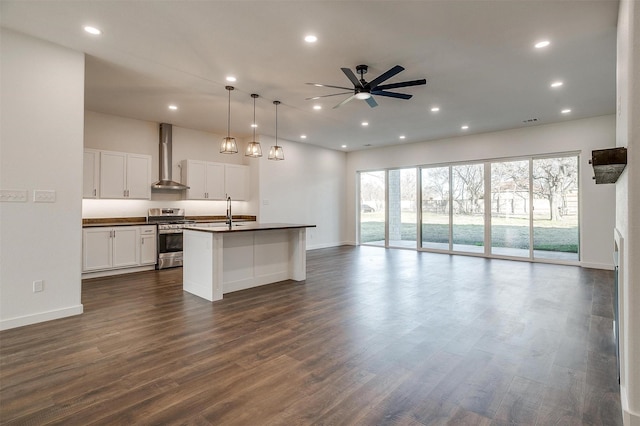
column 132, row 208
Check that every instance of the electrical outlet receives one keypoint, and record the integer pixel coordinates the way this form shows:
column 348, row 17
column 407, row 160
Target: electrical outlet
column 38, row 286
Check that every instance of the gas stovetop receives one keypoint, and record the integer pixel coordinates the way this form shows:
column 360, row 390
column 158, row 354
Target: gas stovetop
column 168, row 218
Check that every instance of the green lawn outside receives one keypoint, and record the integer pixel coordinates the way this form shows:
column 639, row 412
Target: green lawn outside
column 560, row 239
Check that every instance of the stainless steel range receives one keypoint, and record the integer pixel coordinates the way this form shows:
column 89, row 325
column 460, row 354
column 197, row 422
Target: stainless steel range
column 170, row 223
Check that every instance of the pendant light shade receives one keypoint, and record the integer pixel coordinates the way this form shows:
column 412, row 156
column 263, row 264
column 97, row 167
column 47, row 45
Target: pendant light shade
column 276, row 152
column 229, row 145
column 253, row 148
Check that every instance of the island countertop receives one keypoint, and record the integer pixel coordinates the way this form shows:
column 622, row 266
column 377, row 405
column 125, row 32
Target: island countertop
column 244, row 227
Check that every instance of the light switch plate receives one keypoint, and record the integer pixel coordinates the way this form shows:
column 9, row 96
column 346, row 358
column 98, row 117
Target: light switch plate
column 44, row 196
column 13, row 195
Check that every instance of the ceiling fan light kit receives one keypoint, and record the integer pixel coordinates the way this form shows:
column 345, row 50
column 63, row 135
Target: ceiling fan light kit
column 229, row 145
column 364, row 90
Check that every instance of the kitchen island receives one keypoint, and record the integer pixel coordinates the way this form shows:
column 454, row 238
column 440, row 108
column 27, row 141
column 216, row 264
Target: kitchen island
column 221, row 259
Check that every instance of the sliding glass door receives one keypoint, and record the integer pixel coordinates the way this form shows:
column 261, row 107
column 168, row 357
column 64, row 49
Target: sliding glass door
column 373, row 207
column 435, row 208
column 555, row 208
column 403, row 211
column 510, row 209
column 524, row 208
column 467, row 194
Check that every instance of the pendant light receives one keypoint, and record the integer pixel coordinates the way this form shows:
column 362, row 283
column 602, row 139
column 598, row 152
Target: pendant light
column 228, row 145
column 253, row 148
column 276, row 152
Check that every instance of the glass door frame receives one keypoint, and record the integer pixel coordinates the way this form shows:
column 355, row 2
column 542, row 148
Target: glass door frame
column 487, row 252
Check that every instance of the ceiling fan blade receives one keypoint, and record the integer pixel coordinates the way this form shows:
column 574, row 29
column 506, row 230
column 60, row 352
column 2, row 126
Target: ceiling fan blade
column 326, row 96
column 345, row 101
column 391, row 94
column 385, row 76
column 402, row 84
column 372, row 102
column 352, row 77
column 328, row 85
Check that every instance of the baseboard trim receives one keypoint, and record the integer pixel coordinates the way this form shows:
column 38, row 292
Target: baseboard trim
column 41, row 317
column 593, row 265
column 628, row 418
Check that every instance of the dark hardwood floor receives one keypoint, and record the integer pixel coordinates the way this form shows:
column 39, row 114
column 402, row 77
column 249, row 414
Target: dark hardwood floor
column 373, row 337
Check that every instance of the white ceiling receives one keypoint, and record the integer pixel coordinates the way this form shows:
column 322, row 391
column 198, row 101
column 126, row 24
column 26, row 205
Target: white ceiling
column 477, row 56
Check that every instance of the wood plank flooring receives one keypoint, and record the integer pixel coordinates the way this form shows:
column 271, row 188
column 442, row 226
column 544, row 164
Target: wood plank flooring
column 373, row 337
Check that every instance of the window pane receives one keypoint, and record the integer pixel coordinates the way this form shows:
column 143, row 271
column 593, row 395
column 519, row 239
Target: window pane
column 402, row 208
column 468, row 207
column 555, row 208
column 510, row 208
column 372, row 207
column 435, row 208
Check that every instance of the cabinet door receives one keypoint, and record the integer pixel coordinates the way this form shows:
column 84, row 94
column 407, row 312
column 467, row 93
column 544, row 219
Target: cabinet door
column 148, row 245
column 90, row 176
column 96, row 249
column 126, row 246
column 138, row 176
column 236, row 179
column 195, row 172
column 215, row 181
column 113, row 174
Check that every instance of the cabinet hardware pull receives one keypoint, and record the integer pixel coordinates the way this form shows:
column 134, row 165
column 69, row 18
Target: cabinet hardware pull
column 94, row 192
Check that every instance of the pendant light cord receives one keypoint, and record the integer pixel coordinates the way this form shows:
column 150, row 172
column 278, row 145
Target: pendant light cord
column 229, row 115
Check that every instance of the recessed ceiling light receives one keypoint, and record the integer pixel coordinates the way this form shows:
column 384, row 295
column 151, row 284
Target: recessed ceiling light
column 465, row 127
column 402, row 136
column 92, row 30
column 310, row 38
column 364, row 123
column 565, row 111
column 303, row 136
column 344, row 146
column 556, row 84
column 231, row 78
column 317, row 107
column 173, row 107
column 541, row 44
column 435, row 109
column 254, row 125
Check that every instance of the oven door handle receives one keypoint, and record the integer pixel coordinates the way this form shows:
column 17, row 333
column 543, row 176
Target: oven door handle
column 170, row 231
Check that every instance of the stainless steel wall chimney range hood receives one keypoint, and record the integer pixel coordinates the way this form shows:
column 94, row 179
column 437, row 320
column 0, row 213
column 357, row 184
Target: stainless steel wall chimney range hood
column 165, row 182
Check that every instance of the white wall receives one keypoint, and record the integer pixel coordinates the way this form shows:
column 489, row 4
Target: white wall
column 114, row 133
column 307, row 187
column 628, row 207
column 41, row 104
column 597, row 201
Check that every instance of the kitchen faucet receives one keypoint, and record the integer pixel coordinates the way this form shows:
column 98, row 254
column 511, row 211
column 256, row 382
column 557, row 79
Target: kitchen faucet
column 229, row 217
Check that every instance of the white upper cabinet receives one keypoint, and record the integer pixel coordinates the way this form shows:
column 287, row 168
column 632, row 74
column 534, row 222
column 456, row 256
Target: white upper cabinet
column 215, row 181
column 124, row 175
column 91, row 175
column 236, row 181
column 205, row 180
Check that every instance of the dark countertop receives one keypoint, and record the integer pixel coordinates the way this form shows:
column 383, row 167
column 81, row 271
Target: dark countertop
column 244, row 227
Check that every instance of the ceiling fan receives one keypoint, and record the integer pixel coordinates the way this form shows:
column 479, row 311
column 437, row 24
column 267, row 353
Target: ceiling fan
column 363, row 89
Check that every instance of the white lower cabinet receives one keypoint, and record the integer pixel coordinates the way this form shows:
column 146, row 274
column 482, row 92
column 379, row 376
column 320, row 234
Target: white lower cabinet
column 148, row 245
column 118, row 247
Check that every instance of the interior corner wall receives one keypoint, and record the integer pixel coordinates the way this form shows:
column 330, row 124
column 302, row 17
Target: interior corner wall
column 41, row 108
column 628, row 207
column 307, row 187
column 597, row 202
